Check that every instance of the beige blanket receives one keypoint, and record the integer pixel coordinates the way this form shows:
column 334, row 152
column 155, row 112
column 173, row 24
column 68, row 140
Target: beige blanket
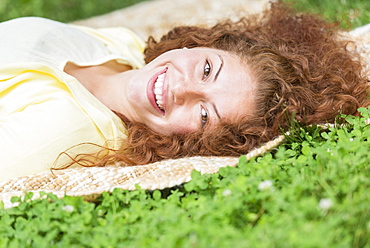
column 155, row 17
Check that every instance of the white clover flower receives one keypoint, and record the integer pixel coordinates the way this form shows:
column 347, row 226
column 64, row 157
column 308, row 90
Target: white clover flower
column 265, row 185
column 68, row 208
column 325, row 204
column 226, row 192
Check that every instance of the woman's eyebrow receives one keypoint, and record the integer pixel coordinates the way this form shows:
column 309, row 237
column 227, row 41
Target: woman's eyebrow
column 219, row 69
column 216, row 111
column 217, row 73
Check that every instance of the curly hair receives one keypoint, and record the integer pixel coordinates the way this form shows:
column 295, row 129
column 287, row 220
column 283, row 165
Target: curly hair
column 301, row 66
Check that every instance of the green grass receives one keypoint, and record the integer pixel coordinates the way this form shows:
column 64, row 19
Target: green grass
column 311, row 192
column 60, row 10
column 350, row 13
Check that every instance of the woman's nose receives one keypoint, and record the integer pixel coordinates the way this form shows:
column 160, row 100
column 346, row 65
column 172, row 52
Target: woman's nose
column 187, row 92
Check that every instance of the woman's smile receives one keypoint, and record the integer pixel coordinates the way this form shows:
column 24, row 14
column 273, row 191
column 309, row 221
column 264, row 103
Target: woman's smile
column 156, row 91
column 186, row 90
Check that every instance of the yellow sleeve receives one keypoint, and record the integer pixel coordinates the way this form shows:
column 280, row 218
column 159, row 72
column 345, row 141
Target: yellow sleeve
column 33, row 138
column 40, row 119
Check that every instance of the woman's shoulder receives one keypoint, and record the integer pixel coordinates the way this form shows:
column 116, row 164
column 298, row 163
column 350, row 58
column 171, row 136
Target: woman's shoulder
column 35, row 39
column 36, row 89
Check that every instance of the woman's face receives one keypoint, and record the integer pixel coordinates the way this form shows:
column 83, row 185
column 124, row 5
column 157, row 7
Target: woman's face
column 186, row 90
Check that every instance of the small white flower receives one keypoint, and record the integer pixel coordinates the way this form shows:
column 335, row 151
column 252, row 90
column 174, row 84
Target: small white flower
column 100, row 212
column 265, row 185
column 226, row 192
column 351, row 139
column 329, row 150
column 325, row 204
column 68, row 208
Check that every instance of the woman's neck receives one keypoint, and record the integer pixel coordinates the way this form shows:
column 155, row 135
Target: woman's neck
column 94, row 78
column 99, row 80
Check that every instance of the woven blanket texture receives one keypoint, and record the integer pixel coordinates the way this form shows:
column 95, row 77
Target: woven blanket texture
column 90, row 182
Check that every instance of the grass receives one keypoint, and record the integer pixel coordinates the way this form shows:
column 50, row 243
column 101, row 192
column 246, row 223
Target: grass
column 311, row 192
column 60, row 10
column 350, row 13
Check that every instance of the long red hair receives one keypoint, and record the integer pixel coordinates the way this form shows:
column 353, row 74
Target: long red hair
column 301, row 66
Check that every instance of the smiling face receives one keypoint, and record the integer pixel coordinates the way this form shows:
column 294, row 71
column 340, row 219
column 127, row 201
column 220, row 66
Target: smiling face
column 186, row 90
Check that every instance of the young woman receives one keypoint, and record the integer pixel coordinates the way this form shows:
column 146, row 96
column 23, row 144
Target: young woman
column 72, row 95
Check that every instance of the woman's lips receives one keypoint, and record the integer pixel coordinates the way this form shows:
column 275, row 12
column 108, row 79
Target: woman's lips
column 151, row 95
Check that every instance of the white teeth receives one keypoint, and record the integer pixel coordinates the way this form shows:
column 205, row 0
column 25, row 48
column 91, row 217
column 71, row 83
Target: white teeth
column 158, row 84
column 158, row 91
column 161, row 77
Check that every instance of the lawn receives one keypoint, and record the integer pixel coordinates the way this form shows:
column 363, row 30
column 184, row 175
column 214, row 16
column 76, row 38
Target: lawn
column 350, row 13
column 312, row 191
column 60, row 10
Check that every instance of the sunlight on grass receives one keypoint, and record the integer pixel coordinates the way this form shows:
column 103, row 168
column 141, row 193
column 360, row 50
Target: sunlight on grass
column 351, row 13
column 310, row 192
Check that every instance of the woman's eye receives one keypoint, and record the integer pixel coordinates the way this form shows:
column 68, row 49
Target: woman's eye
column 207, row 70
column 204, row 116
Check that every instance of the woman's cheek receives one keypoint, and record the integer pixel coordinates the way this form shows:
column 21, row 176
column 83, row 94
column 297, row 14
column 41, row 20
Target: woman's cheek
column 183, row 125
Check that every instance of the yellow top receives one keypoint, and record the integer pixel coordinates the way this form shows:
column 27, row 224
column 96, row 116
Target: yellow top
column 44, row 111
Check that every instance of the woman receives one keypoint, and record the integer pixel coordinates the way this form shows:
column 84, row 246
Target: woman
column 204, row 91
